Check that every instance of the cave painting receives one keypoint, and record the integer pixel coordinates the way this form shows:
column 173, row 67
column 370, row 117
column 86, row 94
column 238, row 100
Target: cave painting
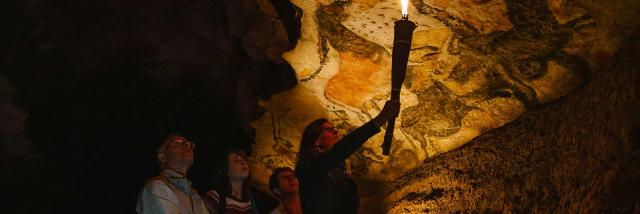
column 475, row 65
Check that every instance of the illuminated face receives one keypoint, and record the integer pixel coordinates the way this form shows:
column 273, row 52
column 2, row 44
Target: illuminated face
column 327, row 137
column 238, row 167
column 287, row 182
column 180, row 151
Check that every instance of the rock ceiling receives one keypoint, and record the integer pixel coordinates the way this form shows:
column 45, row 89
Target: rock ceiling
column 475, row 65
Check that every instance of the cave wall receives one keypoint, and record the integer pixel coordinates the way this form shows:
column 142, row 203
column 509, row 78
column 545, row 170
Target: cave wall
column 88, row 89
column 577, row 155
column 474, row 66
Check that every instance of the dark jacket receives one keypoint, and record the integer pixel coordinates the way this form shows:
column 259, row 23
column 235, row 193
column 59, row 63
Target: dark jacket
column 324, row 187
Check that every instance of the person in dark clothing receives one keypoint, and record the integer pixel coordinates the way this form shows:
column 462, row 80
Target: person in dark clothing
column 324, row 186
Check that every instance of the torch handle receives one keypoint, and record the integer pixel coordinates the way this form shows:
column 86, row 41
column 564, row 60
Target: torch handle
column 388, row 137
column 391, row 124
column 403, row 33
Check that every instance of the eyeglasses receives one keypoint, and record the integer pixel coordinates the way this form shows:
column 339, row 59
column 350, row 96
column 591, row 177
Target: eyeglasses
column 329, row 128
column 183, row 143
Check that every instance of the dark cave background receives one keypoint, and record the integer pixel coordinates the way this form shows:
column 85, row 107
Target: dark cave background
column 89, row 89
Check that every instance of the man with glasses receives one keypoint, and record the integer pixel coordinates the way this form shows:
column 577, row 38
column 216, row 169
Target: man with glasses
column 171, row 191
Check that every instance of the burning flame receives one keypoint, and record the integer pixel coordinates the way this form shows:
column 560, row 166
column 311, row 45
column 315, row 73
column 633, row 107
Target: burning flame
column 405, row 4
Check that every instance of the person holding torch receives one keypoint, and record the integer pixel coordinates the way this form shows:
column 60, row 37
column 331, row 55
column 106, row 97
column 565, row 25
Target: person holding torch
column 324, row 186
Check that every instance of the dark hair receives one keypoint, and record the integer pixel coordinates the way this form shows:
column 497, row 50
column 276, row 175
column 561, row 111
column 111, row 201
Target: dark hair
column 309, row 137
column 274, row 180
column 223, row 184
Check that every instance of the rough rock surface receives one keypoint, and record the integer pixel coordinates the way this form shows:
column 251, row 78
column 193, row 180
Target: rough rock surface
column 576, row 155
column 474, row 66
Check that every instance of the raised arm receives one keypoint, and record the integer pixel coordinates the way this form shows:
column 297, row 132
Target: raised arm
column 351, row 142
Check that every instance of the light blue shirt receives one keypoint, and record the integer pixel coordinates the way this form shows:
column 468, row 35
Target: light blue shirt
column 158, row 197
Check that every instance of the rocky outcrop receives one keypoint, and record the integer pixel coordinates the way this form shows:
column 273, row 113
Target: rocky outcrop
column 576, row 155
column 474, row 66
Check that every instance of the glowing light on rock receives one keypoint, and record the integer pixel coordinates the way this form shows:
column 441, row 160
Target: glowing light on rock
column 452, row 92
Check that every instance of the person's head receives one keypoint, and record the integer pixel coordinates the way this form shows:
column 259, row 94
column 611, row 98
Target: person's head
column 175, row 151
column 233, row 168
column 283, row 182
column 238, row 168
column 317, row 137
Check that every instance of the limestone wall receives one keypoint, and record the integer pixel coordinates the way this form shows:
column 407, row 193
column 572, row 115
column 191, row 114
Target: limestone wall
column 474, row 66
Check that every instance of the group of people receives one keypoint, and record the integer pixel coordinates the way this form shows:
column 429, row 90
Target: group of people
column 318, row 184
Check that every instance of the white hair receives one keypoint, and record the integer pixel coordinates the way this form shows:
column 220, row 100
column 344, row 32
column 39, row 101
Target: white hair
column 162, row 150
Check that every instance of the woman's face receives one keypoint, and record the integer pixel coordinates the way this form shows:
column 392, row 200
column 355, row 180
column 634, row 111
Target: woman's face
column 327, row 137
column 238, row 167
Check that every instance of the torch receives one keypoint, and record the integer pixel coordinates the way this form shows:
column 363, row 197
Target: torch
column 403, row 32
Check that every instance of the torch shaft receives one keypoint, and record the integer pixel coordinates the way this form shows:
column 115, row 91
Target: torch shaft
column 403, row 33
